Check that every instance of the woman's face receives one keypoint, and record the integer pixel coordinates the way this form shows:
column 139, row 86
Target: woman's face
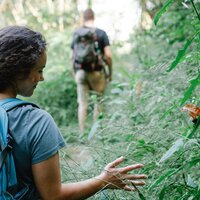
column 26, row 87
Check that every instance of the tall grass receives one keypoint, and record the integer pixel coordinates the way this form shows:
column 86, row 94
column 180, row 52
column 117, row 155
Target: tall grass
column 143, row 119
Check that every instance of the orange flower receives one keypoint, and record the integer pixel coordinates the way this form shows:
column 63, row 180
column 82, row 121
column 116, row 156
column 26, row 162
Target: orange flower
column 193, row 111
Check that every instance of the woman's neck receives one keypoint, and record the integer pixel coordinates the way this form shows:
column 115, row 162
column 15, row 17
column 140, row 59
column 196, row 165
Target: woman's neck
column 8, row 93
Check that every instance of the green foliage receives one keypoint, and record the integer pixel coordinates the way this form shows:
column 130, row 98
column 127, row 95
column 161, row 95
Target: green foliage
column 194, row 83
column 48, row 16
column 190, row 135
column 180, row 54
column 142, row 119
column 58, row 97
column 55, row 19
column 179, row 150
column 162, row 11
column 169, row 138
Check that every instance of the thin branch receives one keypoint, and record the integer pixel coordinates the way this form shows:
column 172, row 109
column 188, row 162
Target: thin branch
column 195, row 9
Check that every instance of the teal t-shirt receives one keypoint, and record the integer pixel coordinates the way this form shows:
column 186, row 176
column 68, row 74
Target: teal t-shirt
column 36, row 138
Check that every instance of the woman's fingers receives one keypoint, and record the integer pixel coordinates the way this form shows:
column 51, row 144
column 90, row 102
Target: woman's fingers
column 137, row 183
column 130, row 168
column 121, row 178
column 131, row 185
column 129, row 188
column 133, row 176
column 115, row 163
column 123, row 169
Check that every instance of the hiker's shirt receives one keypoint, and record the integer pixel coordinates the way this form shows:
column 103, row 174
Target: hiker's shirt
column 36, row 138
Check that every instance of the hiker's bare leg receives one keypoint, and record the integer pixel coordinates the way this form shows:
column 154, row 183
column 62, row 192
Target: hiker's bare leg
column 82, row 94
column 98, row 107
column 82, row 114
column 98, row 83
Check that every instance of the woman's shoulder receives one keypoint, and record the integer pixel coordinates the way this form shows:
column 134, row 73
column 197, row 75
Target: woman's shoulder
column 30, row 112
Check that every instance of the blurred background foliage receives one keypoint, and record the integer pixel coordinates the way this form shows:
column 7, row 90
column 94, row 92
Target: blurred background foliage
column 55, row 19
column 156, row 71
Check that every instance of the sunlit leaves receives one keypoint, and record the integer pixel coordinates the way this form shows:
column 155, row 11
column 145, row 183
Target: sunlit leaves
column 194, row 83
column 193, row 162
column 162, row 11
column 180, row 54
column 177, row 145
column 169, row 173
column 195, row 128
column 93, row 130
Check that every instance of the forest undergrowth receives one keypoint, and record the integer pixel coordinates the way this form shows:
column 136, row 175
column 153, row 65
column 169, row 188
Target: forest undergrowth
column 143, row 118
column 143, row 121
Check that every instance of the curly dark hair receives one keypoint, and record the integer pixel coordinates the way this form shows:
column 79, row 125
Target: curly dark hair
column 20, row 48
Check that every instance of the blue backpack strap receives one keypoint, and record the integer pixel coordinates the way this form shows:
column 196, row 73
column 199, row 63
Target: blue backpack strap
column 6, row 139
column 11, row 103
column 7, row 176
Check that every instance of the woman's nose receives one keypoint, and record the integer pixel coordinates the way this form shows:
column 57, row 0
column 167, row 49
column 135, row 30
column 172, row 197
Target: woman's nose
column 41, row 78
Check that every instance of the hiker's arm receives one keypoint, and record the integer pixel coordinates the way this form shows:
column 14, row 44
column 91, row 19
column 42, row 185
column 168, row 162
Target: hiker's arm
column 108, row 56
column 48, row 181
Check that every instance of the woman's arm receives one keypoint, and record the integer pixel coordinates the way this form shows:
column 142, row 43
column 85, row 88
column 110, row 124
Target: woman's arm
column 48, row 181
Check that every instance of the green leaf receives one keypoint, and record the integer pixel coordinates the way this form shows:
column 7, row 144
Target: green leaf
column 180, row 54
column 169, row 173
column 162, row 193
column 142, row 197
column 190, row 182
column 168, row 112
column 177, row 145
column 195, row 128
column 194, row 83
column 93, row 130
column 162, row 11
column 195, row 161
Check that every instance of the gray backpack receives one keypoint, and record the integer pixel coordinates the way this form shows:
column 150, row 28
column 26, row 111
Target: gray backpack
column 86, row 54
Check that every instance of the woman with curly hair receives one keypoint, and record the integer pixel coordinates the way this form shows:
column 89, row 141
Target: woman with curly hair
column 37, row 139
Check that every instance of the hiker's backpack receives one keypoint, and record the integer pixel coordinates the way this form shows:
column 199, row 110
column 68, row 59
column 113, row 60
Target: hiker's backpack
column 8, row 178
column 86, row 52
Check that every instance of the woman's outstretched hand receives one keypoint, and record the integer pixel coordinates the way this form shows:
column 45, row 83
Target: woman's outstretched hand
column 120, row 178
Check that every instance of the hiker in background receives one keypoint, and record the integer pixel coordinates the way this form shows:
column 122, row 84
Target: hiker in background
column 91, row 54
column 36, row 138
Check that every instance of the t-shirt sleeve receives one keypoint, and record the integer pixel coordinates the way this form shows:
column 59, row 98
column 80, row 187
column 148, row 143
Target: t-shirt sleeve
column 44, row 137
column 105, row 41
column 72, row 45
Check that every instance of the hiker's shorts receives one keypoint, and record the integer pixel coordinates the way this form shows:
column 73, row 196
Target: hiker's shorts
column 89, row 81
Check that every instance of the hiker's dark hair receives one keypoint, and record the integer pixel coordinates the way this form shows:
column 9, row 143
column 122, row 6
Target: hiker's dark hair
column 20, row 48
column 88, row 14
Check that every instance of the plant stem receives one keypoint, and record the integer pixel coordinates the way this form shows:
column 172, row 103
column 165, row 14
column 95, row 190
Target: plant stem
column 195, row 9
